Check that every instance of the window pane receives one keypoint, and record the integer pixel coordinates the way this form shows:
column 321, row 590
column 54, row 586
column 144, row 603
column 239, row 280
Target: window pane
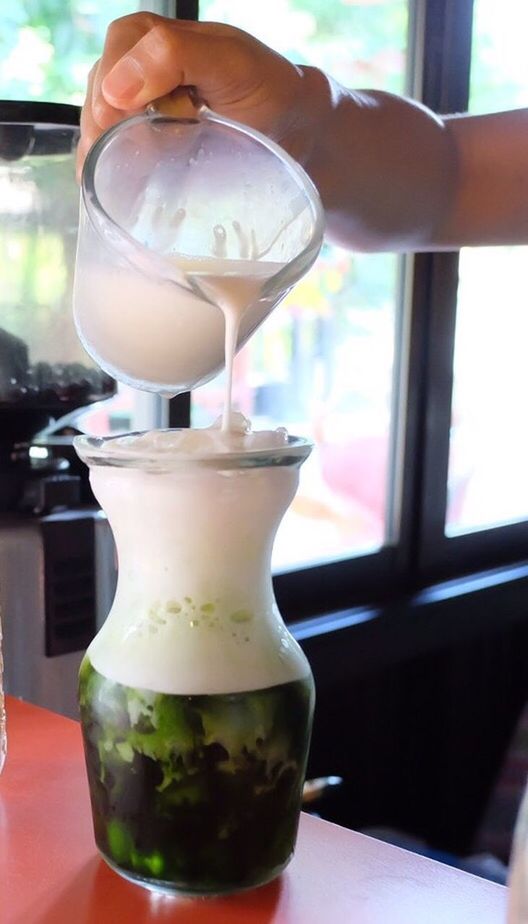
column 487, row 482
column 321, row 365
column 47, row 48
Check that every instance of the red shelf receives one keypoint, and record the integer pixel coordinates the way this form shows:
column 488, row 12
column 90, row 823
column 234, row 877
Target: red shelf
column 50, row 872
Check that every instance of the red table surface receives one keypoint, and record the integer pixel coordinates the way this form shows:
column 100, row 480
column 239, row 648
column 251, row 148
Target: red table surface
column 50, row 872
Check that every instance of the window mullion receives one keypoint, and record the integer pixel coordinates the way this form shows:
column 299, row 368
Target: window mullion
column 445, row 89
column 161, row 7
column 186, row 9
column 397, row 469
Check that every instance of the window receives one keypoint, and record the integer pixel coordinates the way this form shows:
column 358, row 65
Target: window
column 322, row 364
column 387, row 493
column 470, row 505
column 47, row 49
column 409, row 375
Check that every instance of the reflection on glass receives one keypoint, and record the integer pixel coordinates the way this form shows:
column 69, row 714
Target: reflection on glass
column 488, row 458
column 43, row 368
column 321, row 365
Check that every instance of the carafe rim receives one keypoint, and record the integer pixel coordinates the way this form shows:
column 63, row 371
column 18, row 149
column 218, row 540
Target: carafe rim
column 104, row 451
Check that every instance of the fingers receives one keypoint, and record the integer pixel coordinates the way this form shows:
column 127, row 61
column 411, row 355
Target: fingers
column 147, row 56
column 97, row 114
column 152, row 68
column 170, row 54
column 89, row 128
column 121, row 36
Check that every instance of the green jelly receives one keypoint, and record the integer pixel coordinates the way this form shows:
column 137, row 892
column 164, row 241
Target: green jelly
column 199, row 794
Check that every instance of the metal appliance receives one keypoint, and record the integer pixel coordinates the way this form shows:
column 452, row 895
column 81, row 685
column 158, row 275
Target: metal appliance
column 57, row 570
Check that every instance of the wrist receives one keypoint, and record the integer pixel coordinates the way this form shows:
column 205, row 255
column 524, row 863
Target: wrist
column 313, row 106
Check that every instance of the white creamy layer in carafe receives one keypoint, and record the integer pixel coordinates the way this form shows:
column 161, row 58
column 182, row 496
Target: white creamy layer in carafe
column 194, row 610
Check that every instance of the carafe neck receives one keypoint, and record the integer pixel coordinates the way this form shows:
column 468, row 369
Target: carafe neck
column 198, row 540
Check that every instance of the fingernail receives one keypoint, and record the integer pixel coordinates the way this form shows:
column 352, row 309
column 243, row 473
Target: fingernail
column 124, row 80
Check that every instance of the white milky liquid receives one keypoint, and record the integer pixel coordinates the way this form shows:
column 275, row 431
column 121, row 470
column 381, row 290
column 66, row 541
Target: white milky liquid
column 194, row 610
column 154, row 334
column 233, row 286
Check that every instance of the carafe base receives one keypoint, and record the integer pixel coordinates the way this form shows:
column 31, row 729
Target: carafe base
column 162, row 887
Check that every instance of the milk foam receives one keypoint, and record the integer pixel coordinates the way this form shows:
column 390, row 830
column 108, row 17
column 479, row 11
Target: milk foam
column 191, row 442
column 194, row 610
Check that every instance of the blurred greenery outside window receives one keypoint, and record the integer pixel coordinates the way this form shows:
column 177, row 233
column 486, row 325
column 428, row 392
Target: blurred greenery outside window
column 47, row 48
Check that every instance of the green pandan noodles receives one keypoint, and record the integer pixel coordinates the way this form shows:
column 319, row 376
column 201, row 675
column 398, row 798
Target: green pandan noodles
column 201, row 793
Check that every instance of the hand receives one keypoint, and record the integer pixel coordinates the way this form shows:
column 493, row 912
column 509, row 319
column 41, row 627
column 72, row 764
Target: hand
column 147, row 56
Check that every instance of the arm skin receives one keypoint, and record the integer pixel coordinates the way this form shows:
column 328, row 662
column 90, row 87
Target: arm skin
column 391, row 174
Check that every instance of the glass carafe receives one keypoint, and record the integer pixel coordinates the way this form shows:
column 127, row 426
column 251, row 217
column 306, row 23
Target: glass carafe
column 196, row 702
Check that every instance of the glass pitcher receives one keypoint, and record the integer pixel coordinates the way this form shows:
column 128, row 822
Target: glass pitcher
column 196, row 702
column 177, row 217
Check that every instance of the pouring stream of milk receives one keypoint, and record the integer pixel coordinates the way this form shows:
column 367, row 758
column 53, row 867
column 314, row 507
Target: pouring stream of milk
column 169, row 332
column 233, row 286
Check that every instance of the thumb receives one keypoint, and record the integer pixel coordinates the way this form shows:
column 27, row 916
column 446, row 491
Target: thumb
column 168, row 56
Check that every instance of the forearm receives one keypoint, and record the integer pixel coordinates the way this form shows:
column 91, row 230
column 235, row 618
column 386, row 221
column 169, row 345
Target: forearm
column 387, row 168
column 394, row 176
column 490, row 204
